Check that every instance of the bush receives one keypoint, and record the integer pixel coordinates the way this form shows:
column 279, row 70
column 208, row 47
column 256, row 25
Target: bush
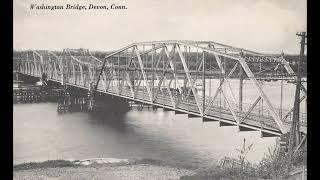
column 274, row 164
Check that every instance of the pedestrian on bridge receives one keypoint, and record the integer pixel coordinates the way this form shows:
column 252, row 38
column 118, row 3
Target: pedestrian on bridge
column 44, row 79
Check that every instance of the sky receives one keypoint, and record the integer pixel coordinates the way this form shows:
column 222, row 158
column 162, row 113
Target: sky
column 266, row 26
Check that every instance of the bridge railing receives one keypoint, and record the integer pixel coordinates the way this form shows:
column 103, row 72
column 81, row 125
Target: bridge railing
column 258, row 113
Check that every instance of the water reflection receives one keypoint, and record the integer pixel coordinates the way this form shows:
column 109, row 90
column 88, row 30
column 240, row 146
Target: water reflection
column 40, row 133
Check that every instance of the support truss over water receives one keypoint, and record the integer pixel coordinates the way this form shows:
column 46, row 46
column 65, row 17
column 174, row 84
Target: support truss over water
column 198, row 78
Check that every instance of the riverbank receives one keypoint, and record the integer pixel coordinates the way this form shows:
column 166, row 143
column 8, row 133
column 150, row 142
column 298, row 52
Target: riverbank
column 114, row 169
column 133, row 170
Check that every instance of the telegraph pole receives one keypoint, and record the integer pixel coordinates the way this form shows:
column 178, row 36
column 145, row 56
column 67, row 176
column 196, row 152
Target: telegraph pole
column 294, row 132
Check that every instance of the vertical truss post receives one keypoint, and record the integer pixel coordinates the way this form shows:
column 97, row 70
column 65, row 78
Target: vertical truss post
column 42, row 65
column 35, row 65
column 29, row 67
column 152, row 69
column 127, row 60
column 40, row 69
column 281, row 98
column 49, row 68
column 176, row 79
column 240, row 87
column 104, row 79
column 55, row 70
column 118, row 73
column 73, row 72
column 113, row 73
column 27, row 64
column 25, row 67
column 203, row 84
column 61, row 72
column 224, row 76
column 81, row 76
column 90, row 72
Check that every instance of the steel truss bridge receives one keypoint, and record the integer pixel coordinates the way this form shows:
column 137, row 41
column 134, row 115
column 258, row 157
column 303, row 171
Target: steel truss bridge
column 178, row 75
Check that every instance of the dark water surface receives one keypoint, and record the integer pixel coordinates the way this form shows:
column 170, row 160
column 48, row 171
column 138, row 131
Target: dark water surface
column 40, row 133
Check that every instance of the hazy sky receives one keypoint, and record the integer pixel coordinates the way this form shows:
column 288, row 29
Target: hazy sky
column 261, row 25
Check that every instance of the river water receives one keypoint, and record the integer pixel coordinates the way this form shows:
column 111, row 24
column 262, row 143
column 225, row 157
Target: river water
column 40, row 133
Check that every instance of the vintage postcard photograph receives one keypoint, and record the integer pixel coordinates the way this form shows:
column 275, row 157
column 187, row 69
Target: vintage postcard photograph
column 159, row 89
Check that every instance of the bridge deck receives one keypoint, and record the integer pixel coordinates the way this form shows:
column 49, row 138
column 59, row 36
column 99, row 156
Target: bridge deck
column 214, row 111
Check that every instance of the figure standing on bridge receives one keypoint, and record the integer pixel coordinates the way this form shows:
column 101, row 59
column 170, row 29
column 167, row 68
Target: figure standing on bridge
column 44, row 79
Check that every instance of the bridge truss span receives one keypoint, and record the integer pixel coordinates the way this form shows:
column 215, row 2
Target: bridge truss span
column 206, row 79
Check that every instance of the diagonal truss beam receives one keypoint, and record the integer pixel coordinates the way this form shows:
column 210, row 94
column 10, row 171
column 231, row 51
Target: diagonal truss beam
column 189, row 79
column 250, row 75
column 143, row 72
column 251, row 108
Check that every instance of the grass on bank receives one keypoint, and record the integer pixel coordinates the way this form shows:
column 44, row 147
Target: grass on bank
column 45, row 164
column 65, row 163
column 274, row 165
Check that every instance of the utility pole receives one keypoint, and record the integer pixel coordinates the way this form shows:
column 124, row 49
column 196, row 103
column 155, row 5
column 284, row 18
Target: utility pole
column 294, row 132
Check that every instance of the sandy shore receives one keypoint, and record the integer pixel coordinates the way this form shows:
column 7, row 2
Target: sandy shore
column 132, row 172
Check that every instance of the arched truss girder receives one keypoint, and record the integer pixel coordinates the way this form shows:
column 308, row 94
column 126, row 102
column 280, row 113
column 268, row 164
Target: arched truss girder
column 227, row 53
column 60, row 67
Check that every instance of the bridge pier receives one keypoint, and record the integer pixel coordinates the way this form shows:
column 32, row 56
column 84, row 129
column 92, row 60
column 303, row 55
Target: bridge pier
column 29, row 93
column 74, row 99
column 26, row 95
column 64, row 102
column 90, row 101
